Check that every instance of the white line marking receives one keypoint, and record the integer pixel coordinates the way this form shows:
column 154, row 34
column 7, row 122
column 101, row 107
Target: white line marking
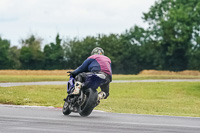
column 114, row 81
column 157, row 80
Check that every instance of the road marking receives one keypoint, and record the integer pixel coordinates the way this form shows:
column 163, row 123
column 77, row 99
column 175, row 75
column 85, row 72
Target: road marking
column 157, row 80
column 114, row 81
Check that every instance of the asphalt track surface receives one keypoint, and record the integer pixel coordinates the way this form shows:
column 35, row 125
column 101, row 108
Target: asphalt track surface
column 114, row 81
column 26, row 119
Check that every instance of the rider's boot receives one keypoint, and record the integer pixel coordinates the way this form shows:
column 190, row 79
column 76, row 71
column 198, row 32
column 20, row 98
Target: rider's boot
column 77, row 88
column 101, row 95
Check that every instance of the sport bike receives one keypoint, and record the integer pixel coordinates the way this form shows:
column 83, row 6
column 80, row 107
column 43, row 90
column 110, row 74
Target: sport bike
column 84, row 102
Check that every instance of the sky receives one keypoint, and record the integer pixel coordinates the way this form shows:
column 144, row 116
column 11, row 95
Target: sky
column 70, row 18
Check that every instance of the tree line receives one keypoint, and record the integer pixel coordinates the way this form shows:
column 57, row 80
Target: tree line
column 171, row 42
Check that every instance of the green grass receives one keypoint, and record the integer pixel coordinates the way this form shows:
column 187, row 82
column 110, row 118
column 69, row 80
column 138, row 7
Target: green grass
column 48, row 95
column 172, row 98
column 176, row 99
column 32, row 78
column 35, row 78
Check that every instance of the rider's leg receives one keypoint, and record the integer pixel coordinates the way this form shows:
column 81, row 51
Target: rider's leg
column 104, row 91
column 105, row 88
column 79, row 79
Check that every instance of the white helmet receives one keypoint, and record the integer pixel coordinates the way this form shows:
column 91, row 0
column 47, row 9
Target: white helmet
column 98, row 51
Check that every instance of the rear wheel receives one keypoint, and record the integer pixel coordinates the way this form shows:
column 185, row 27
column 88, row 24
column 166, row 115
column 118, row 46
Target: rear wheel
column 90, row 102
column 66, row 110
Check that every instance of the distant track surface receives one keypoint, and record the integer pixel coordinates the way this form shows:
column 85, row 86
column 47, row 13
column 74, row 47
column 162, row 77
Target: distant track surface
column 27, row 119
column 114, row 81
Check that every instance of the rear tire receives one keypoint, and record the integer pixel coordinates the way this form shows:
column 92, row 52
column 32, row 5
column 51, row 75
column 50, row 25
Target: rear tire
column 90, row 102
column 66, row 110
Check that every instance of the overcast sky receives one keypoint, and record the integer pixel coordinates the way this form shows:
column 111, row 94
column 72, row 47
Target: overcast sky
column 69, row 18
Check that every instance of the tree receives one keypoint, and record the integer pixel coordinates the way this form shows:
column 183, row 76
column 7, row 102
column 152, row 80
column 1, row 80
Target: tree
column 76, row 51
column 175, row 25
column 5, row 62
column 139, row 51
column 194, row 60
column 14, row 54
column 54, row 55
column 31, row 56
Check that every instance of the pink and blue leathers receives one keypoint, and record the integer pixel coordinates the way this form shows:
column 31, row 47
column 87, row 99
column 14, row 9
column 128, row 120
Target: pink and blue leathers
column 95, row 63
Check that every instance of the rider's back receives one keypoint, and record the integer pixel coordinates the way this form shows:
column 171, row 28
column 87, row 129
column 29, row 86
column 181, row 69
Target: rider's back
column 100, row 63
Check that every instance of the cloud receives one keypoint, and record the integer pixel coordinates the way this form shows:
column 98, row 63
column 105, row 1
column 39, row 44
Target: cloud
column 69, row 17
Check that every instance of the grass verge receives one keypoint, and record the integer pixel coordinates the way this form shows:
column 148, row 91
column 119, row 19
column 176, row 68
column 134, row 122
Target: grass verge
column 173, row 98
column 32, row 78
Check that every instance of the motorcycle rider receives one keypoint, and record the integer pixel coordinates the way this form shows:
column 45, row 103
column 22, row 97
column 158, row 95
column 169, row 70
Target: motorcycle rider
column 97, row 63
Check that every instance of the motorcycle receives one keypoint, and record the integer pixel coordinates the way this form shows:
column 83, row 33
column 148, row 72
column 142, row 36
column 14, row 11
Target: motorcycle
column 84, row 102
